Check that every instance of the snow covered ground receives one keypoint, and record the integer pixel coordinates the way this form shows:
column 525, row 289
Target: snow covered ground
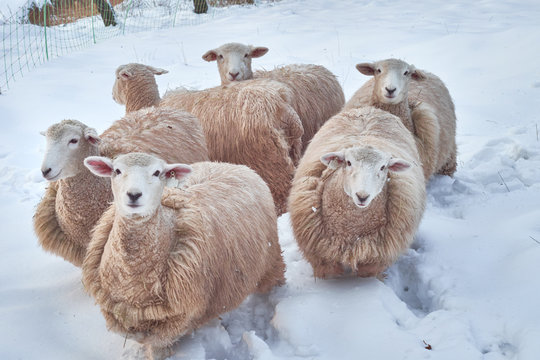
column 469, row 287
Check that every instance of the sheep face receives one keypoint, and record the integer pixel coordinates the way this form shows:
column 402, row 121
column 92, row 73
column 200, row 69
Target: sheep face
column 128, row 72
column 68, row 143
column 234, row 61
column 392, row 79
column 137, row 180
column 365, row 171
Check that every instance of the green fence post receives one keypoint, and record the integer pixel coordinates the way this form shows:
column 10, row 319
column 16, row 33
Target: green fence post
column 92, row 15
column 175, row 12
column 45, row 29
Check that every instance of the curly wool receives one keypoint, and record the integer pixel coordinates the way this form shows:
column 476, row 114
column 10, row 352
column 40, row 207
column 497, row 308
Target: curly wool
column 329, row 228
column 217, row 243
column 316, row 94
column 250, row 123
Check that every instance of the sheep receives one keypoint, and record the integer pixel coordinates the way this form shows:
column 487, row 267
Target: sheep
column 423, row 103
column 163, row 261
column 358, row 194
column 317, row 95
column 135, row 86
column 75, row 199
column 250, row 123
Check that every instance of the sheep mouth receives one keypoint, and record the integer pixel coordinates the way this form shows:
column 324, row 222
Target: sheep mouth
column 134, row 206
column 53, row 178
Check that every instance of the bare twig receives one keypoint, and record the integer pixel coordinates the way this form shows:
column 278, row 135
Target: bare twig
column 534, row 239
column 504, row 182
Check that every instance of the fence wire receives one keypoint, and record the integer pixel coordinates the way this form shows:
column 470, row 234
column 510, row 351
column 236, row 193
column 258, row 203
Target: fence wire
column 42, row 30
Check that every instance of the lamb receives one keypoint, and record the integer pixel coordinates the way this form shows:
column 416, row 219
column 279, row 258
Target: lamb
column 317, row 95
column 163, row 261
column 358, row 194
column 75, row 199
column 248, row 123
column 423, row 103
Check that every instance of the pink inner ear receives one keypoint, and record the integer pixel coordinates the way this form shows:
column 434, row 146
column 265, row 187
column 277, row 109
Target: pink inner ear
column 92, row 140
column 177, row 172
column 100, row 167
column 399, row 166
column 258, row 52
column 210, row 56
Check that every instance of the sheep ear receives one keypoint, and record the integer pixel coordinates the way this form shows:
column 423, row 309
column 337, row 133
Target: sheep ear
column 157, row 71
column 258, row 51
column 178, row 171
column 418, row 74
column 210, row 55
column 99, row 165
column 125, row 74
column 333, row 160
column 44, row 133
column 91, row 136
column 398, row 165
column 366, row 68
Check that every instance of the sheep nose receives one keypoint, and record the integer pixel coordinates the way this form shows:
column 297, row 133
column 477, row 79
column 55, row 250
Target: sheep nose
column 362, row 197
column 234, row 75
column 134, row 196
column 390, row 91
column 45, row 172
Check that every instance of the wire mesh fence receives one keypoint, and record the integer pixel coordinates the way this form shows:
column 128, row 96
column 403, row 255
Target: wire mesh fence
column 41, row 30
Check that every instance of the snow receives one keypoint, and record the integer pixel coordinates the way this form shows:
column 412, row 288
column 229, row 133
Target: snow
column 469, row 285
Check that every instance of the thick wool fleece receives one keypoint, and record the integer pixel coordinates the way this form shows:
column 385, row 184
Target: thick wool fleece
column 331, row 231
column 249, row 123
column 316, row 94
column 208, row 246
column 429, row 114
column 172, row 135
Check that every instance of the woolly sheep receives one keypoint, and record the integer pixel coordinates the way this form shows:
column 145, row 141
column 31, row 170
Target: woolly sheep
column 352, row 205
column 75, row 199
column 423, row 103
column 135, row 86
column 163, row 261
column 316, row 93
column 250, row 123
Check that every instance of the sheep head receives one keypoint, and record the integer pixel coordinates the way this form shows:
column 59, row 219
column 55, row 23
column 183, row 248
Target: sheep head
column 142, row 74
column 234, row 61
column 137, row 180
column 392, row 77
column 365, row 171
column 68, row 143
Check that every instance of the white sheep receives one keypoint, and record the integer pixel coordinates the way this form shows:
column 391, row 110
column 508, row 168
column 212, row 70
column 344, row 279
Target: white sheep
column 316, row 93
column 423, row 103
column 358, row 194
column 75, row 199
column 250, row 123
column 163, row 261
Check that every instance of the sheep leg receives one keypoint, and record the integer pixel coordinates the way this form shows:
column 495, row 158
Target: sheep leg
column 450, row 167
column 327, row 270
column 157, row 353
column 368, row 270
column 275, row 276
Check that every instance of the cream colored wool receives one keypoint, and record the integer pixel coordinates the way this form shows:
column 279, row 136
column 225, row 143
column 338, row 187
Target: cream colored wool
column 332, row 233
column 135, row 86
column 207, row 247
column 71, row 206
column 316, row 94
column 249, row 123
column 428, row 113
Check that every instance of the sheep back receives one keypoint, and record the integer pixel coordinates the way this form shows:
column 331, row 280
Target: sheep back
column 316, row 94
column 170, row 134
column 329, row 229
column 225, row 247
column 249, row 123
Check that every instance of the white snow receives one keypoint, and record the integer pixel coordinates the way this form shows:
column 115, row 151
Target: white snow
column 469, row 286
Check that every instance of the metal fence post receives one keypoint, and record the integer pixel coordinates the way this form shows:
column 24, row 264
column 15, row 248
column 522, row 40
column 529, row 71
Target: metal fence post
column 92, row 15
column 45, row 29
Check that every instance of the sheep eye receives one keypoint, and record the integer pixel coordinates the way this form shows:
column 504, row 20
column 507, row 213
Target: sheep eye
column 220, row 57
column 73, row 141
column 246, row 55
column 156, row 173
column 406, row 73
column 348, row 163
column 117, row 171
column 383, row 167
column 379, row 71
